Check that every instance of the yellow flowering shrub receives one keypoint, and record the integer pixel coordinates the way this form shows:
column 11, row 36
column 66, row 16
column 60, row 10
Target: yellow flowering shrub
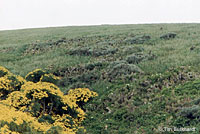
column 9, row 116
column 81, row 94
column 18, row 122
column 49, row 78
column 39, row 106
column 3, row 71
column 10, row 83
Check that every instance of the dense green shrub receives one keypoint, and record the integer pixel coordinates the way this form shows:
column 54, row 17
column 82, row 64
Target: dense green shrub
column 168, row 36
column 35, row 76
column 91, row 66
column 43, row 76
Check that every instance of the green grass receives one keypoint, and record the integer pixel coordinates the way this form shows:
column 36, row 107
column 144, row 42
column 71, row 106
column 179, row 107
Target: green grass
column 127, row 103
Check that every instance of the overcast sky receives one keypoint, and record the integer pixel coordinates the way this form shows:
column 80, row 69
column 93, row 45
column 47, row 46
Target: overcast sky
column 17, row 14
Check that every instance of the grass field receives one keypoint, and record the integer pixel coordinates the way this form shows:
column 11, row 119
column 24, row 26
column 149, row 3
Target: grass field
column 144, row 82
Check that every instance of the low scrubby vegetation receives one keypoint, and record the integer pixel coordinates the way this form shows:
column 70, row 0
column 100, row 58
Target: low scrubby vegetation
column 146, row 77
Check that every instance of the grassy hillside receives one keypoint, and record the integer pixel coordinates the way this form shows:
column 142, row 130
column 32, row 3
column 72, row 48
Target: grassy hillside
column 145, row 82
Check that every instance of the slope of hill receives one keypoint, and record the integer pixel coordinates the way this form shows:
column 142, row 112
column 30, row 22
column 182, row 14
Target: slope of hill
column 147, row 76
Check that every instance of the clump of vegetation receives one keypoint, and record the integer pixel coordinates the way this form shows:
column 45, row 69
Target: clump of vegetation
column 91, row 66
column 3, row 71
column 121, row 68
column 43, row 76
column 9, row 83
column 39, row 47
column 135, row 58
column 138, row 39
column 88, row 77
column 91, row 51
column 40, row 107
column 187, row 108
column 190, row 112
column 132, row 49
column 168, row 36
column 81, row 80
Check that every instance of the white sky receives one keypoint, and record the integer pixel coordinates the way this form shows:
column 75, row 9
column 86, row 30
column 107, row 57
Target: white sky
column 17, row 14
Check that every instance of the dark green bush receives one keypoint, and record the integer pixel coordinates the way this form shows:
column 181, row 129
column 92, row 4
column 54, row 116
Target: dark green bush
column 168, row 36
column 46, row 118
column 88, row 77
column 43, row 76
column 35, row 75
column 91, row 66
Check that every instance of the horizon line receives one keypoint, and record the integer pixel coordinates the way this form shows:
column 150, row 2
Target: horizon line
column 89, row 25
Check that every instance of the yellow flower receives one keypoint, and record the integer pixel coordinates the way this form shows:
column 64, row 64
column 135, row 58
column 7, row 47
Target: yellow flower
column 26, row 102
